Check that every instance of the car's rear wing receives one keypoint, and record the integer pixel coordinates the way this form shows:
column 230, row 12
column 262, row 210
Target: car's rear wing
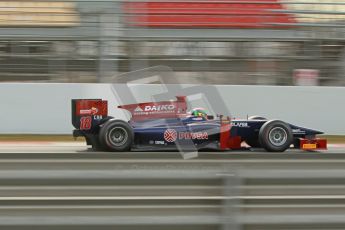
column 155, row 110
column 88, row 113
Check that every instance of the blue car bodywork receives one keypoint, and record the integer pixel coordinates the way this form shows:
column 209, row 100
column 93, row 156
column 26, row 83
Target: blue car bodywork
column 149, row 134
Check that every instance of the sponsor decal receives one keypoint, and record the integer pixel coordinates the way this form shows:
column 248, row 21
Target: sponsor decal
column 154, row 109
column 159, row 142
column 91, row 111
column 171, row 135
column 196, row 135
column 138, row 109
column 151, row 142
column 297, row 131
column 97, row 117
column 240, row 124
column 159, row 107
column 309, row 146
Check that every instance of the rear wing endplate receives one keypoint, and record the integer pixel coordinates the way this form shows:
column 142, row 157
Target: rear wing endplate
column 88, row 113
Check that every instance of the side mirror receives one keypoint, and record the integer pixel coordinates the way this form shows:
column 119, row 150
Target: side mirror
column 210, row 117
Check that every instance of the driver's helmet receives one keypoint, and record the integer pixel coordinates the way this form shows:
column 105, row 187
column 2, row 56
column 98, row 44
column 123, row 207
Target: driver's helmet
column 199, row 112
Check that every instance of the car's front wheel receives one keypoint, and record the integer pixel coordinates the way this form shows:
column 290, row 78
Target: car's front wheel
column 275, row 136
column 116, row 135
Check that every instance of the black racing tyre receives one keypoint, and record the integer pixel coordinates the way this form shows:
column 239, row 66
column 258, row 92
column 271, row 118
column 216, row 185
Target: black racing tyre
column 93, row 140
column 275, row 136
column 116, row 136
column 254, row 141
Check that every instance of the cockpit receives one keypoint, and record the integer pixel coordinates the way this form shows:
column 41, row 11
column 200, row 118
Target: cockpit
column 200, row 113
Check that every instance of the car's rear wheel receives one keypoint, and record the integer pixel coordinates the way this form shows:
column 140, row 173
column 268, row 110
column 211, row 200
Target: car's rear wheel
column 275, row 136
column 116, row 135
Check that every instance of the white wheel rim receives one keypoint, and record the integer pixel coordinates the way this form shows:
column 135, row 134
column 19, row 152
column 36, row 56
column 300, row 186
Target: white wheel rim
column 277, row 136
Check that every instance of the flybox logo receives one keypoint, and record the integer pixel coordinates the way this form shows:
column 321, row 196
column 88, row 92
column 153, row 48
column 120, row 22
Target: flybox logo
column 91, row 111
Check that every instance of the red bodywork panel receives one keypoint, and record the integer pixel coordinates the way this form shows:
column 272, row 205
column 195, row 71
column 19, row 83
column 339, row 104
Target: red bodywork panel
column 87, row 113
column 155, row 110
column 91, row 107
column 313, row 144
column 208, row 14
column 226, row 140
column 225, row 127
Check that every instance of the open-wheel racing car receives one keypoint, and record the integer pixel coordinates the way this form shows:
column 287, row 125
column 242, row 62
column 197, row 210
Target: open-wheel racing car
column 168, row 125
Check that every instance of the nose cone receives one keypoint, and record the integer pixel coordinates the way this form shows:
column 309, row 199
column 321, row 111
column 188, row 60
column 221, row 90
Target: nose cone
column 307, row 131
column 314, row 132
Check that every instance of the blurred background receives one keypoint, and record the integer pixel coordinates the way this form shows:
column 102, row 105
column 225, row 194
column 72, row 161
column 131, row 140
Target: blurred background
column 264, row 42
column 237, row 42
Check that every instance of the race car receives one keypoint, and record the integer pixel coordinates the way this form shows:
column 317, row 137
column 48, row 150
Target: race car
column 168, row 125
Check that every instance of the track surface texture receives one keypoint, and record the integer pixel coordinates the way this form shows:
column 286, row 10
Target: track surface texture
column 65, row 185
column 79, row 147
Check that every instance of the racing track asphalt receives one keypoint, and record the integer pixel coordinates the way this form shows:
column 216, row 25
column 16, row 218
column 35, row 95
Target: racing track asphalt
column 76, row 147
column 14, row 155
column 79, row 149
